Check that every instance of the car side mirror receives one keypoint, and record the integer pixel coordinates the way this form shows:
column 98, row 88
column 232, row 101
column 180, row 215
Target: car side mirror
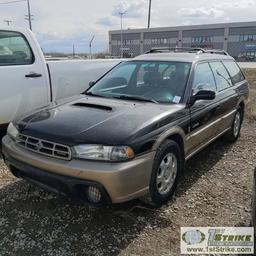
column 202, row 95
column 92, row 83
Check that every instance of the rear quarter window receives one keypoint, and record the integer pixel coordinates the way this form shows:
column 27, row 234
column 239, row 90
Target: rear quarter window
column 234, row 71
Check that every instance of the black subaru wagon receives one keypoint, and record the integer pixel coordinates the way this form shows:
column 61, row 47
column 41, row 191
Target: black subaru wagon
column 132, row 131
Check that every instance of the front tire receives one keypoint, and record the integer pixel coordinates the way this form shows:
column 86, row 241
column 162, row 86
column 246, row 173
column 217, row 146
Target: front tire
column 166, row 172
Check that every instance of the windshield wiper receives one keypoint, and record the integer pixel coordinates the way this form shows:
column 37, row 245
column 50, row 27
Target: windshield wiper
column 93, row 94
column 138, row 98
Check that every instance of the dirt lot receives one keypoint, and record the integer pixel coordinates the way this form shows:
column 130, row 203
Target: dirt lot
column 216, row 191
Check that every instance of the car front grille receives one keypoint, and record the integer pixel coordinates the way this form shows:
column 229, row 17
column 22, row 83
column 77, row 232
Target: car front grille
column 44, row 147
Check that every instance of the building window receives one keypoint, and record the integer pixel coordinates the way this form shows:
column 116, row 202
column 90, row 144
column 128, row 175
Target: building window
column 247, row 37
column 126, row 42
column 201, row 39
column 247, row 56
column 131, row 41
column 160, row 41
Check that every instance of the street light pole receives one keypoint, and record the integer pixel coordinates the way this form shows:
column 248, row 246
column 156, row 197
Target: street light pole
column 122, row 48
column 149, row 13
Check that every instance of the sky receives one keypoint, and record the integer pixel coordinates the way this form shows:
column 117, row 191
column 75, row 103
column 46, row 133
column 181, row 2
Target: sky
column 58, row 24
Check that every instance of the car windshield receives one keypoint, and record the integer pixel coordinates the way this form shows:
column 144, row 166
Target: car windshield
column 155, row 81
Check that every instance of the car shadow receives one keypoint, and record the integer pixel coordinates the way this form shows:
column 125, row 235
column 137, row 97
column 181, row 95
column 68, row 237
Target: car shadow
column 39, row 221
column 202, row 162
column 57, row 224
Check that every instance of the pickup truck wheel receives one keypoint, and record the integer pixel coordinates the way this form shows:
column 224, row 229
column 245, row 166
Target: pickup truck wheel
column 234, row 133
column 166, row 172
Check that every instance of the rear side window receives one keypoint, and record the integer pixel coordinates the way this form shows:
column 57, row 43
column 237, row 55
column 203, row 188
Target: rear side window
column 234, row 71
column 221, row 75
column 14, row 49
column 203, row 79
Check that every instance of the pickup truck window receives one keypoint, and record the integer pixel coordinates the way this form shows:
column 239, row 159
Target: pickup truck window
column 235, row 72
column 222, row 77
column 203, row 78
column 14, row 49
column 162, row 82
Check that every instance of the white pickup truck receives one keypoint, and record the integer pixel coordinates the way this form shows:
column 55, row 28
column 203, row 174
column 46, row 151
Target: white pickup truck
column 28, row 81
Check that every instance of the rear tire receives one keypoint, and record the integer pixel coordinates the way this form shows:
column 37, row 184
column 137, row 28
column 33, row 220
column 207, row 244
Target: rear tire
column 234, row 133
column 166, row 172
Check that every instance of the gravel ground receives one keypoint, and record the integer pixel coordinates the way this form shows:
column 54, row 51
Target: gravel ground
column 216, row 191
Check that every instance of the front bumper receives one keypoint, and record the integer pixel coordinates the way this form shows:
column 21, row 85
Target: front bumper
column 118, row 182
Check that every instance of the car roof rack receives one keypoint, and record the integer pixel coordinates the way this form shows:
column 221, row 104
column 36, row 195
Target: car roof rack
column 216, row 51
column 174, row 49
column 196, row 50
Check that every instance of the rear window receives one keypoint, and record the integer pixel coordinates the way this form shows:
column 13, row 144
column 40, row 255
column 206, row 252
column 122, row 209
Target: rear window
column 234, row 71
column 14, row 49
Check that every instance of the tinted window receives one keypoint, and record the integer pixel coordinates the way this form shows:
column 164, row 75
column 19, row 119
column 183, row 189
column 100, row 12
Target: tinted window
column 235, row 72
column 164, row 82
column 14, row 49
column 222, row 77
column 203, row 79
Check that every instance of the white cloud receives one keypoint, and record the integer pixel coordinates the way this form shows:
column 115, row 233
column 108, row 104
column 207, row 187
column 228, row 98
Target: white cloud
column 106, row 22
column 58, row 23
column 132, row 9
column 236, row 4
column 201, row 12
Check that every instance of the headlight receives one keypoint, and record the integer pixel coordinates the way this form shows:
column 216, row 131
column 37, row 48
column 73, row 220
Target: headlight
column 12, row 131
column 103, row 153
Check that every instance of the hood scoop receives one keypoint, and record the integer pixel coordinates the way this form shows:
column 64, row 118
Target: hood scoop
column 89, row 105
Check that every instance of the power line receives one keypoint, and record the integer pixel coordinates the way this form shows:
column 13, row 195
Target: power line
column 12, row 2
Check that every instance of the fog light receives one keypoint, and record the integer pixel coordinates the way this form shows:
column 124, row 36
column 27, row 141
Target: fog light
column 93, row 195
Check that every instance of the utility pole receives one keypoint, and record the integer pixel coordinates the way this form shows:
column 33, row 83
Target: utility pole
column 29, row 16
column 73, row 51
column 149, row 13
column 8, row 22
column 90, row 46
column 122, row 48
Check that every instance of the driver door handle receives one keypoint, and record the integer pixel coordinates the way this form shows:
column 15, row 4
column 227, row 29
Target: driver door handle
column 33, row 75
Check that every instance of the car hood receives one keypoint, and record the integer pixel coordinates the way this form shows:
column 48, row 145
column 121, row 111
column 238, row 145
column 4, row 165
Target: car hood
column 96, row 120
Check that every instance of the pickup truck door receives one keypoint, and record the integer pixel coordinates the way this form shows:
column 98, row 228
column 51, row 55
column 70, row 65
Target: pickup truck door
column 24, row 83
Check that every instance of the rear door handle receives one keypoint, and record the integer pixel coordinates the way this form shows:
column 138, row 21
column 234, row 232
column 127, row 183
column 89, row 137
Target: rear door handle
column 33, row 75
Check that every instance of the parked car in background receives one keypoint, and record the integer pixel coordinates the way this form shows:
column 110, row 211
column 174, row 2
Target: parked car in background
column 131, row 133
column 28, row 82
column 254, row 201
